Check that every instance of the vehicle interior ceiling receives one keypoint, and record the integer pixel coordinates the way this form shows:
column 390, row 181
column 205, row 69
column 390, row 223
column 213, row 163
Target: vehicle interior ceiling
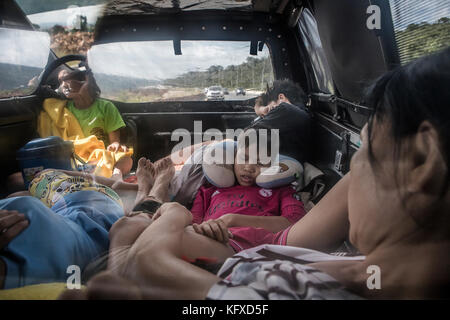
column 355, row 57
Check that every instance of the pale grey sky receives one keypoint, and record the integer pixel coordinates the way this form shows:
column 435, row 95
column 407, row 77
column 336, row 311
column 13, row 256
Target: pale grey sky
column 22, row 47
column 156, row 59
column 64, row 17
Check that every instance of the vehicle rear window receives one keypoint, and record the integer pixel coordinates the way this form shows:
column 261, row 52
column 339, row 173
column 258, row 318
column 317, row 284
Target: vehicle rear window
column 149, row 71
column 421, row 27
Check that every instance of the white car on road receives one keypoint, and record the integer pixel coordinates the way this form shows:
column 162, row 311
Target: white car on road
column 215, row 93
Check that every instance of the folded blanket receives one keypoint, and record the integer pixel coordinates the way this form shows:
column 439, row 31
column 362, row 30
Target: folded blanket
column 92, row 150
column 56, row 120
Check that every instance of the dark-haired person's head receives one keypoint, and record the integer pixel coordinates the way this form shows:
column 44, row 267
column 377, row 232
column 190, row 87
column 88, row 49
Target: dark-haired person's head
column 280, row 91
column 408, row 96
column 284, row 90
column 399, row 179
column 74, row 80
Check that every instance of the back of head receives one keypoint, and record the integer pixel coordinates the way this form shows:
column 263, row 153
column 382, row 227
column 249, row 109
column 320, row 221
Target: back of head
column 406, row 98
column 416, row 92
column 291, row 90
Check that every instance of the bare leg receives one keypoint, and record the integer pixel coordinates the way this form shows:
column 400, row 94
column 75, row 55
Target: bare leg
column 125, row 231
column 155, row 268
column 122, row 167
column 127, row 192
column 132, row 238
column 155, row 259
column 146, row 177
column 122, row 235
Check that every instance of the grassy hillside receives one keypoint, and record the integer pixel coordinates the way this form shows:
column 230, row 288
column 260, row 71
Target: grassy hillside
column 17, row 83
column 113, row 84
column 17, row 75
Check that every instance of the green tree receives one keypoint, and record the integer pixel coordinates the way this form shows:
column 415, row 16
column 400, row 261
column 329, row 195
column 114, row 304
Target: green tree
column 422, row 39
column 253, row 73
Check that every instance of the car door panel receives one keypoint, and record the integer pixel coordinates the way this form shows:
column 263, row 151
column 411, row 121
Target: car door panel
column 18, row 119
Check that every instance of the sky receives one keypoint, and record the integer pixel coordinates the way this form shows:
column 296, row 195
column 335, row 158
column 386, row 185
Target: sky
column 156, row 60
column 22, row 47
column 65, row 16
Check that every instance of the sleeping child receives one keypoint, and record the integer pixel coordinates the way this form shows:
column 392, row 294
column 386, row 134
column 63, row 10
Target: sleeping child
column 246, row 215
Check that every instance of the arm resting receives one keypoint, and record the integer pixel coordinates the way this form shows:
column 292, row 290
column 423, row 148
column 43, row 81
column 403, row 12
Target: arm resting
column 326, row 225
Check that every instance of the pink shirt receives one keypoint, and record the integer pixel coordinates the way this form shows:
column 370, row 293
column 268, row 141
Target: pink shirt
column 212, row 203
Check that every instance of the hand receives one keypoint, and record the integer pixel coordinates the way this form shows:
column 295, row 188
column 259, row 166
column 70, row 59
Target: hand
column 158, row 213
column 11, row 224
column 264, row 110
column 229, row 219
column 116, row 146
column 215, row 229
column 167, row 207
column 270, row 107
column 260, row 110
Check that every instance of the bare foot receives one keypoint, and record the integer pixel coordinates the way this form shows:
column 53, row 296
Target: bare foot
column 146, row 175
column 164, row 172
column 146, row 178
